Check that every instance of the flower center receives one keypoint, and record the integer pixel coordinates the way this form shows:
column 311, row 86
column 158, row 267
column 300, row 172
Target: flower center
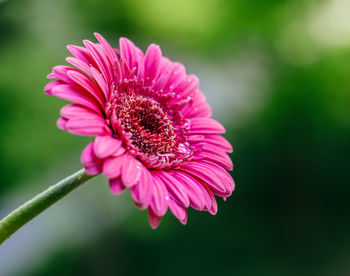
column 150, row 133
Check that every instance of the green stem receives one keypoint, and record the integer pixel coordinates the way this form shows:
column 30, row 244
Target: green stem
column 42, row 201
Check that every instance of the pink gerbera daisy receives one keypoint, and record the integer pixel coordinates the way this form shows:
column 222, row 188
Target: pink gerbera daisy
column 154, row 134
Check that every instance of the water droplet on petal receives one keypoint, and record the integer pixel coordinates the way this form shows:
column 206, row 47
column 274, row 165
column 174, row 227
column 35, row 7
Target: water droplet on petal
column 188, row 124
column 182, row 148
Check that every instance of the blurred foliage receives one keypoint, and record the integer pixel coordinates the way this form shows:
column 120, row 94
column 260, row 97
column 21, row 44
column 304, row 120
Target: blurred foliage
column 289, row 215
column 208, row 26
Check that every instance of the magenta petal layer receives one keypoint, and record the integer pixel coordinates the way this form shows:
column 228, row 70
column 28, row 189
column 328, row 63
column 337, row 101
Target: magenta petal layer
column 153, row 127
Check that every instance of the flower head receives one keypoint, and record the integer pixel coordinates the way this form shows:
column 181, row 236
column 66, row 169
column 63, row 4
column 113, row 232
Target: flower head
column 153, row 127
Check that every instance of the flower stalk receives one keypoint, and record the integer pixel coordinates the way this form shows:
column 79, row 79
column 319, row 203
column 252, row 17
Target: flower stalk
column 29, row 210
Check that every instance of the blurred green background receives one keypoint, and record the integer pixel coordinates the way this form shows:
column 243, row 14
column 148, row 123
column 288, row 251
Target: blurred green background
column 277, row 74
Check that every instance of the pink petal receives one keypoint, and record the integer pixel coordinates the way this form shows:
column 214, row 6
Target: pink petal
column 109, row 51
column 60, row 72
column 86, row 127
column 216, row 156
column 106, row 145
column 152, row 62
column 119, row 151
column 141, row 69
column 179, row 212
column 116, row 186
column 131, row 171
column 76, row 95
column 175, row 188
column 205, row 173
column 200, row 107
column 128, row 51
column 197, row 194
column 92, row 165
column 51, row 76
column 188, row 86
column 48, row 88
column 98, row 78
column 193, row 139
column 206, row 126
column 154, row 220
column 93, row 170
column 88, row 156
column 177, row 75
column 112, row 167
column 200, row 110
column 61, row 123
column 78, row 111
column 214, row 205
column 142, row 191
column 159, row 203
column 165, row 71
column 223, row 175
column 218, row 141
column 100, row 59
column 87, row 84
column 82, row 54
column 182, row 105
column 79, row 64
